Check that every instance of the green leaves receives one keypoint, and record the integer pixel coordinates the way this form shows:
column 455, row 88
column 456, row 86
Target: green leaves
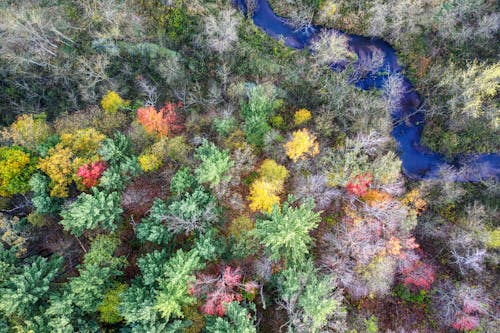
column 174, row 284
column 215, row 164
column 29, row 288
column 285, row 232
column 261, row 105
column 237, row 321
column 89, row 212
column 310, row 299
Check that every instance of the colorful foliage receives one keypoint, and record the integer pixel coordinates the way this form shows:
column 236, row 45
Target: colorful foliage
column 359, row 184
column 112, row 102
column 264, row 190
column 164, row 122
column 223, row 288
column 90, row 173
column 58, row 166
column 301, row 116
column 16, row 168
column 150, row 162
column 28, row 131
column 302, row 143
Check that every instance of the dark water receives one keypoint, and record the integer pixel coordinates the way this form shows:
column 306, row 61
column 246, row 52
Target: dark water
column 418, row 161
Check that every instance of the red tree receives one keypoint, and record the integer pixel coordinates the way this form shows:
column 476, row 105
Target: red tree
column 90, row 173
column 164, row 122
column 416, row 274
column 359, row 184
column 220, row 289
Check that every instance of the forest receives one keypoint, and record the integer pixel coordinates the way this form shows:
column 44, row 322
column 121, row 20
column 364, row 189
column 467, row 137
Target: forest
column 176, row 166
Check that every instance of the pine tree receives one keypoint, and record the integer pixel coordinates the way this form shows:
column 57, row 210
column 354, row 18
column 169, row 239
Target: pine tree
column 285, row 232
column 215, row 164
column 92, row 211
column 29, row 287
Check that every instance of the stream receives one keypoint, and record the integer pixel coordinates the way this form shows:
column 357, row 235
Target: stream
column 418, row 161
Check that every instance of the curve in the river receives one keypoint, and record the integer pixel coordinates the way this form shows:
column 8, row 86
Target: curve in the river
column 418, row 161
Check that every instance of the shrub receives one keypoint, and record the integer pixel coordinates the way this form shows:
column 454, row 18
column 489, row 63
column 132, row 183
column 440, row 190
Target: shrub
column 302, row 143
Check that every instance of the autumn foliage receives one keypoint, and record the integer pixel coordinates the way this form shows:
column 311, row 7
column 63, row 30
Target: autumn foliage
column 359, row 185
column 221, row 289
column 302, row 144
column 164, row 122
column 91, row 172
column 265, row 190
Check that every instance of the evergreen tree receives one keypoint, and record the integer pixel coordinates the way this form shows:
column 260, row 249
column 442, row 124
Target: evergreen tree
column 91, row 211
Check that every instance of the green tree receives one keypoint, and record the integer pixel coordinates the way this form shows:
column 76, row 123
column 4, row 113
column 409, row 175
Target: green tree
column 285, row 232
column 43, row 202
column 310, row 299
column 215, row 164
column 261, row 104
column 237, row 320
column 91, row 211
column 29, row 287
column 173, row 291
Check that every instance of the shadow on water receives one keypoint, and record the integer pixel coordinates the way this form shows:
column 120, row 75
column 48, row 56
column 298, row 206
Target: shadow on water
column 418, row 161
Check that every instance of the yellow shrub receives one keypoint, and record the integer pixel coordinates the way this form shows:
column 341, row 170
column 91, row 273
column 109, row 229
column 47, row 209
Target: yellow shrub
column 150, row 162
column 302, row 143
column 302, row 116
column 111, row 102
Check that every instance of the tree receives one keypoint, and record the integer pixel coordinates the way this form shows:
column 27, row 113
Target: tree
column 301, row 116
column 16, row 168
column 331, row 47
column 43, row 202
column 164, row 122
column 112, row 102
column 220, row 289
column 261, row 104
column 28, row 131
column 237, row 320
column 285, row 232
column 222, row 30
column 215, row 164
column 29, row 287
column 302, row 143
column 108, row 309
column 359, row 185
column 264, row 190
column 92, row 211
column 90, row 173
column 173, row 291
column 312, row 300
column 58, row 166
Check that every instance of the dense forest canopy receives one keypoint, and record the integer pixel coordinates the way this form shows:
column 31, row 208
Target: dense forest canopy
column 166, row 166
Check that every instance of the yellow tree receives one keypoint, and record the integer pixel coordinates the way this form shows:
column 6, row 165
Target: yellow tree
column 265, row 190
column 28, row 131
column 302, row 144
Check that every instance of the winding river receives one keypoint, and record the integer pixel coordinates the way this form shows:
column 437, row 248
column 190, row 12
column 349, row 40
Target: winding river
column 418, row 161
